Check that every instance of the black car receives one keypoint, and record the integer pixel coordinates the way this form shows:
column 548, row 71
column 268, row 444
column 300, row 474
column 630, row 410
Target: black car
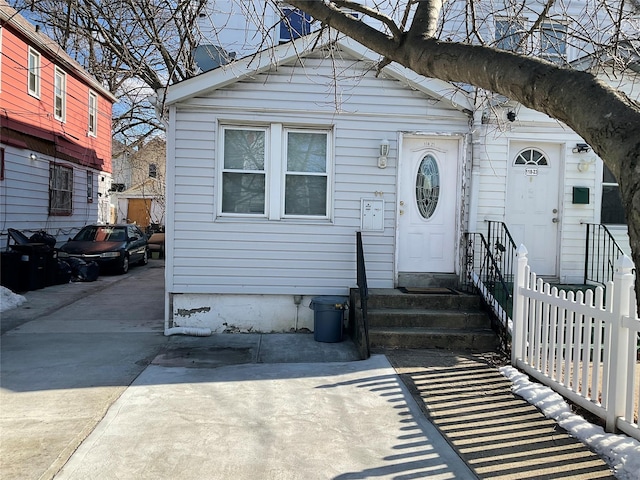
column 113, row 247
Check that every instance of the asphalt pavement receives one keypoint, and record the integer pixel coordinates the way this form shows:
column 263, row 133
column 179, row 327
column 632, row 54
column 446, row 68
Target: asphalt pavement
column 92, row 389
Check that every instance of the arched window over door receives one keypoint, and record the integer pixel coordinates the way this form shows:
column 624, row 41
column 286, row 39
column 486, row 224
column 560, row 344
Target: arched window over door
column 531, row 156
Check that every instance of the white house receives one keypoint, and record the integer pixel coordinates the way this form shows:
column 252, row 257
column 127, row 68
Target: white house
column 275, row 161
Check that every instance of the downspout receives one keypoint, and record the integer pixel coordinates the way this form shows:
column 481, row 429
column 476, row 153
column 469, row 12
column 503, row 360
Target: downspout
column 193, row 331
column 477, row 133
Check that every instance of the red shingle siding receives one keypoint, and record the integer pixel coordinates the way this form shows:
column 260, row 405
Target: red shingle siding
column 36, row 115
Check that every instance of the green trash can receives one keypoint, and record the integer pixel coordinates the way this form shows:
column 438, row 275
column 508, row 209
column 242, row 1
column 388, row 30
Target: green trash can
column 328, row 318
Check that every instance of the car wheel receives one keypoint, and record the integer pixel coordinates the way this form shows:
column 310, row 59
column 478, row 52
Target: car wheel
column 145, row 257
column 124, row 268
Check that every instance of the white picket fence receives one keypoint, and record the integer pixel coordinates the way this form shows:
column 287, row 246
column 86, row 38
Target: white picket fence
column 583, row 346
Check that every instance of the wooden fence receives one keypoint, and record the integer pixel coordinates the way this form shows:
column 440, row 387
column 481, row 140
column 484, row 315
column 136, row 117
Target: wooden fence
column 582, row 345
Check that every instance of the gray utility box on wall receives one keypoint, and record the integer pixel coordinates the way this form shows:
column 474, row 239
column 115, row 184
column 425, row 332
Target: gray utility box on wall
column 328, row 318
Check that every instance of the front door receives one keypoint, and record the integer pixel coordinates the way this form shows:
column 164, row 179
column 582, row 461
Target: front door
column 427, row 195
column 533, row 205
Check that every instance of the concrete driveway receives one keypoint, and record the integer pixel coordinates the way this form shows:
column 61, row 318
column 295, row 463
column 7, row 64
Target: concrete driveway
column 91, row 389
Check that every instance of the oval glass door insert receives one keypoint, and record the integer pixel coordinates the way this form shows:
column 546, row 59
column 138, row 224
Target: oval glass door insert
column 427, row 186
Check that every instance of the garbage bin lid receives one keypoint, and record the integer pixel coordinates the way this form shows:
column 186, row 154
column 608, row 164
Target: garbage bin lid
column 18, row 237
column 329, row 300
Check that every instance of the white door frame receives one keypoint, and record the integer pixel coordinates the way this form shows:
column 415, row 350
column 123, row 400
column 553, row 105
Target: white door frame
column 561, row 146
column 461, row 157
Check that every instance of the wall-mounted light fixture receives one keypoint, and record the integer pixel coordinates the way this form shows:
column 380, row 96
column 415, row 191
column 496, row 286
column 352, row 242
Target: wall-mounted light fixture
column 584, row 164
column 384, row 153
column 33, row 157
column 581, row 148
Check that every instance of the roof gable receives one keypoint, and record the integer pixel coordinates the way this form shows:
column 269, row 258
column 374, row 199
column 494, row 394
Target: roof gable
column 253, row 65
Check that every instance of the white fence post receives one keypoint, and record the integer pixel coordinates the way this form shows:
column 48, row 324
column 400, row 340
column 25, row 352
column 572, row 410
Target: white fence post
column 517, row 340
column 623, row 280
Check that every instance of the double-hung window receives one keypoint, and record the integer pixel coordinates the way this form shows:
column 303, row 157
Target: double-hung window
column 553, row 41
column 305, row 189
column 275, row 172
column 611, row 209
column 33, row 74
column 93, row 114
column 60, row 95
column 60, row 190
column 89, row 187
column 509, row 33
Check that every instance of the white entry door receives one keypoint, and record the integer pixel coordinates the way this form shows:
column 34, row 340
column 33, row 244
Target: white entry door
column 533, row 204
column 427, row 195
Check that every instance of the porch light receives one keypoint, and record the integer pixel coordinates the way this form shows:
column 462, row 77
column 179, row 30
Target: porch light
column 33, row 157
column 584, row 164
column 581, row 148
column 384, row 152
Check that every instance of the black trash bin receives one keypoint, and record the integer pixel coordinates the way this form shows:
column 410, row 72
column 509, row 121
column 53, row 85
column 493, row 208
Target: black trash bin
column 30, row 263
column 328, row 318
column 26, row 263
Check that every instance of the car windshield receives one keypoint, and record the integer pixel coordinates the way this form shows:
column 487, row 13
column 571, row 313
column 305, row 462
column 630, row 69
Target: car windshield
column 101, row 234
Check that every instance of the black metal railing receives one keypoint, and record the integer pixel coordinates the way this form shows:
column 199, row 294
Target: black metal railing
column 502, row 247
column 363, row 291
column 483, row 274
column 601, row 253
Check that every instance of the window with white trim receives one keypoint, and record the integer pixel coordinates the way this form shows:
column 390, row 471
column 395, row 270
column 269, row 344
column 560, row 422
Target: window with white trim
column 553, row 41
column 509, row 33
column 89, row 186
column 60, row 95
column 275, row 172
column 60, row 190
column 33, row 74
column 611, row 209
column 93, row 114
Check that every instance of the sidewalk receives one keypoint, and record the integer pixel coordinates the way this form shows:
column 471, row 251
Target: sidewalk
column 91, row 389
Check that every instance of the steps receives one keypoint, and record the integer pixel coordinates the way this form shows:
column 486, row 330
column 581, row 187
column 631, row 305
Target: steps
column 453, row 321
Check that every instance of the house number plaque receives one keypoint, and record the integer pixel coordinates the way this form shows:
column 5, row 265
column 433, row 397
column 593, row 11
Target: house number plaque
column 531, row 172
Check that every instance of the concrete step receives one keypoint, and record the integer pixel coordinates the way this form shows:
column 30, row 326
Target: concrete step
column 452, row 320
column 396, row 298
column 409, row 318
column 450, row 339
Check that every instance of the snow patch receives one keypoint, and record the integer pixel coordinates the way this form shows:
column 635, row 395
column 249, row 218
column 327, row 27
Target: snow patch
column 622, row 453
column 9, row 300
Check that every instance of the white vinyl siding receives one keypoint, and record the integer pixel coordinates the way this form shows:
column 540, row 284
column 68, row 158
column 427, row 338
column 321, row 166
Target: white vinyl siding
column 213, row 254
column 25, row 197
